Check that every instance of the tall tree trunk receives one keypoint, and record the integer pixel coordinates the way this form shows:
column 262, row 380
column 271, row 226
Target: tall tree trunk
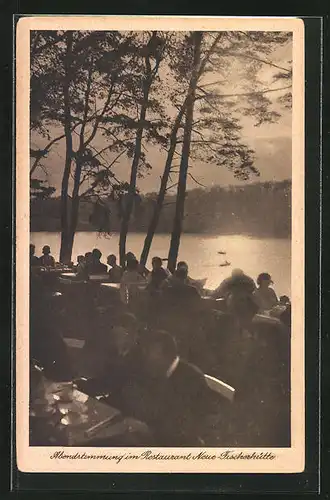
column 77, row 173
column 65, row 254
column 181, row 191
column 173, row 140
column 132, row 186
column 136, row 159
column 163, row 185
column 74, row 207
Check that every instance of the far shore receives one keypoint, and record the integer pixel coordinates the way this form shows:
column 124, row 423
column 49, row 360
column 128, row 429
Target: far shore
column 190, row 233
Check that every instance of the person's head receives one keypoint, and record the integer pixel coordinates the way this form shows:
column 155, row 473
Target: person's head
column 124, row 333
column 88, row 257
column 80, row 259
column 111, row 260
column 264, row 280
column 32, row 249
column 284, row 299
column 182, row 265
column 96, row 254
column 159, row 350
column 46, row 250
column 132, row 265
column 130, row 256
column 156, row 263
column 236, row 273
column 181, row 274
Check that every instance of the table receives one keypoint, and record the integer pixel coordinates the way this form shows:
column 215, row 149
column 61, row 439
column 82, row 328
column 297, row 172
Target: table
column 77, row 422
column 99, row 278
column 69, row 275
column 266, row 319
column 113, row 286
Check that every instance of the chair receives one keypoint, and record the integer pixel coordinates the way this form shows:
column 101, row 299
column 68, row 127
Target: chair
column 220, row 387
column 74, row 343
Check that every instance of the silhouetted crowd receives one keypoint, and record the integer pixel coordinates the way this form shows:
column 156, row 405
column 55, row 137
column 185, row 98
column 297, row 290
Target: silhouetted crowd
column 139, row 368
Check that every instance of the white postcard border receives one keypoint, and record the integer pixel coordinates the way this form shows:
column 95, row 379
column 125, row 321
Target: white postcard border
column 42, row 459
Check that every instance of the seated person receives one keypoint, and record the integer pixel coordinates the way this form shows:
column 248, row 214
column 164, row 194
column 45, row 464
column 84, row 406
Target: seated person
column 79, row 266
column 157, row 275
column 130, row 256
column 142, row 269
column 265, row 296
column 173, row 397
column 199, row 284
column 94, row 265
column 238, row 281
column 34, row 261
column 182, row 268
column 83, row 263
column 88, row 257
column 80, row 260
column 46, row 343
column 179, row 285
column 284, row 300
column 113, row 358
column 131, row 282
column 46, row 259
column 237, row 290
column 285, row 317
column 116, row 272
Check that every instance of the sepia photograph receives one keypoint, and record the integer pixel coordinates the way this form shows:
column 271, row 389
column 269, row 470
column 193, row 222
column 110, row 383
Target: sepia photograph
column 160, row 197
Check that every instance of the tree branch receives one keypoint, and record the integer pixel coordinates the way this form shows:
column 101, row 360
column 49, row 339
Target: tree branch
column 253, row 58
column 87, row 94
column 195, row 180
column 243, row 94
column 102, row 151
column 106, row 167
column 48, row 44
column 172, row 186
column 212, row 83
column 100, row 116
column 208, row 54
column 49, row 145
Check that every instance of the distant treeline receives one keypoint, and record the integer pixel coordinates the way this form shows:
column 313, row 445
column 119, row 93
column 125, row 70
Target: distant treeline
column 259, row 209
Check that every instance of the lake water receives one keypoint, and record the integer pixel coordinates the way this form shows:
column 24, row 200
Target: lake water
column 253, row 255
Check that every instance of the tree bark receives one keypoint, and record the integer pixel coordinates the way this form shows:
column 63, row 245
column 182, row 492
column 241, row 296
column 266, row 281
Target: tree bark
column 65, row 253
column 162, row 190
column 79, row 163
column 132, row 186
column 74, row 207
column 150, row 74
column 181, row 191
column 173, row 140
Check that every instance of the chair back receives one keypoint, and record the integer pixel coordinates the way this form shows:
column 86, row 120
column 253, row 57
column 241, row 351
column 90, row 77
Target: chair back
column 220, row 387
column 74, row 343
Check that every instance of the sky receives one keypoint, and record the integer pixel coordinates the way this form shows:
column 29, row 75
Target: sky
column 271, row 142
